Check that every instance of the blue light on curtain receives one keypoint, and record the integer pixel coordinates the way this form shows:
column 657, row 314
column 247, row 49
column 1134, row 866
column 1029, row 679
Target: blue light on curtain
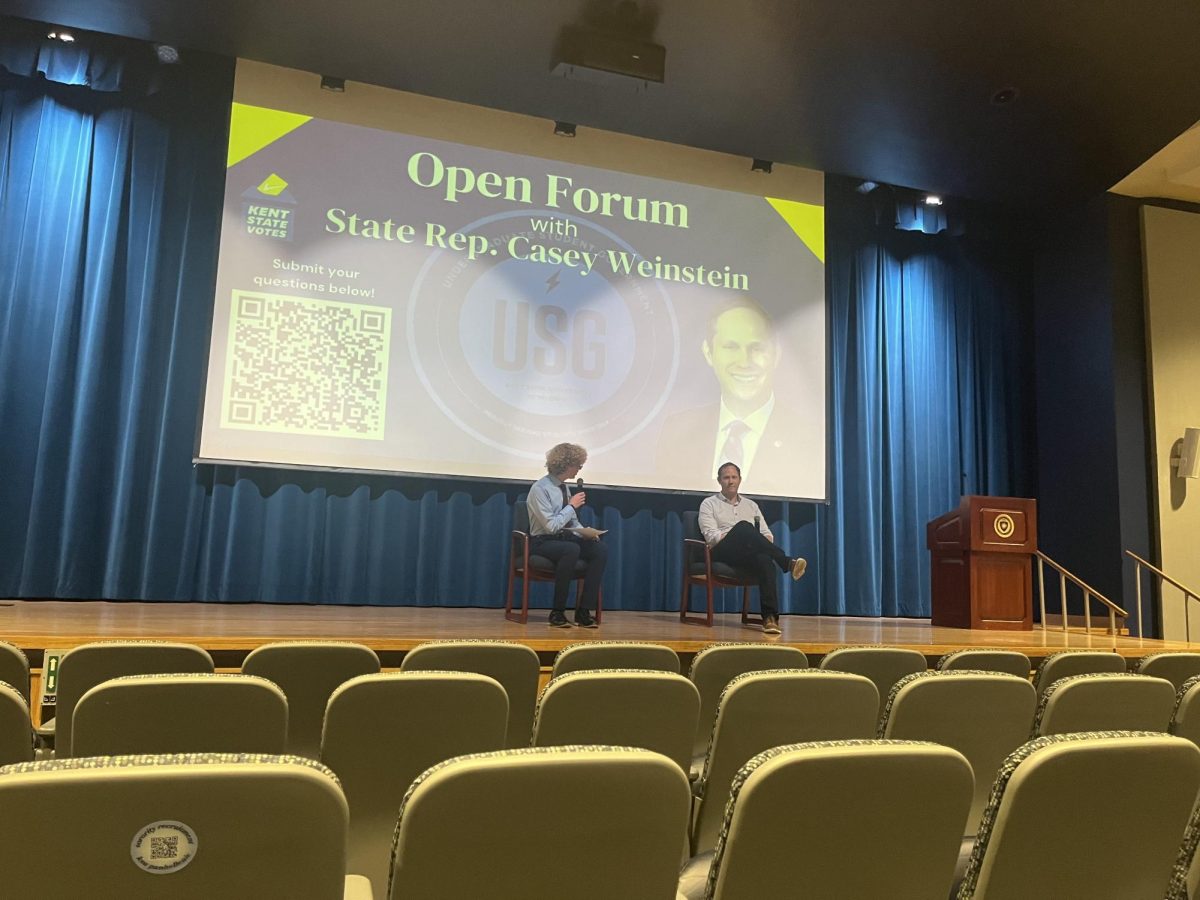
column 109, row 203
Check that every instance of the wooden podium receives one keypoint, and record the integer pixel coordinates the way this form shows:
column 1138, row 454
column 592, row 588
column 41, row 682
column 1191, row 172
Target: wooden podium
column 982, row 557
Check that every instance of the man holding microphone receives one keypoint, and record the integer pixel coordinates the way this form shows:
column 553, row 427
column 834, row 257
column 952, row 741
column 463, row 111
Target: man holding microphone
column 556, row 533
column 734, row 529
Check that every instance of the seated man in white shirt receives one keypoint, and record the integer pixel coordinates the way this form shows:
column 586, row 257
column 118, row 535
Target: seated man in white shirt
column 556, row 533
column 734, row 527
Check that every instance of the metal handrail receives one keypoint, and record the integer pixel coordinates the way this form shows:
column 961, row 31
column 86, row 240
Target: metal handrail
column 1088, row 593
column 1188, row 593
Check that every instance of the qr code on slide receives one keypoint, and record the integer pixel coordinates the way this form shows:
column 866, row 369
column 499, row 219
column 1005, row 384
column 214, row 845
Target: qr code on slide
column 306, row 366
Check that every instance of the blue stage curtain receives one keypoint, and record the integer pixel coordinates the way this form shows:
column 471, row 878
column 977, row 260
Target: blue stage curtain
column 931, row 355
column 109, row 204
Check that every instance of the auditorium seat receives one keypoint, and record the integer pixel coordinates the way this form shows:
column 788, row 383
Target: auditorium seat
column 527, row 566
column 16, row 732
column 760, row 710
column 883, row 665
column 383, row 730
column 1103, row 701
column 614, row 655
column 1175, row 667
column 983, row 715
column 1185, row 876
column 700, row 569
column 1074, row 662
column 879, row 819
column 623, row 707
column 308, row 672
column 1185, row 720
column 14, row 668
column 1095, row 815
column 514, row 665
column 188, row 827
column 987, row 659
column 87, row 665
column 717, row 665
column 569, row 823
column 201, row 713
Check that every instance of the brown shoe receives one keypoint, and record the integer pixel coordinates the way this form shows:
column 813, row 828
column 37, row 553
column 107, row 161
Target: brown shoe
column 799, row 564
column 771, row 625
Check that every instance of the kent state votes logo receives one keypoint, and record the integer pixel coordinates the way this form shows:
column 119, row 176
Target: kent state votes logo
column 524, row 346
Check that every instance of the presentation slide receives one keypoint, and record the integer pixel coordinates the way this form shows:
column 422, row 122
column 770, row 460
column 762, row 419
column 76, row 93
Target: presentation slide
column 391, row 302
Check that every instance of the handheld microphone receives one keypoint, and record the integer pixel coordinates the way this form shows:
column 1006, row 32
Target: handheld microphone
column 579, row 484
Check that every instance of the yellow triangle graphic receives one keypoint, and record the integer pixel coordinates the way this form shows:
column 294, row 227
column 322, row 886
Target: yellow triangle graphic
column 253, row 127
column 807, row 220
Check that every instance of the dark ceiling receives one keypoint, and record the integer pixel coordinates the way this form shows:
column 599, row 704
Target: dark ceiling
column 895, row 92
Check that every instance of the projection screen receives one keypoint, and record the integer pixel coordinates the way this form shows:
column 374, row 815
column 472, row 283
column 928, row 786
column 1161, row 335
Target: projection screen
column 400, row 302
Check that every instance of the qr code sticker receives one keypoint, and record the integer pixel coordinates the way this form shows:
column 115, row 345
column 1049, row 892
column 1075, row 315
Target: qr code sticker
column 164, row 847
column 306, row 366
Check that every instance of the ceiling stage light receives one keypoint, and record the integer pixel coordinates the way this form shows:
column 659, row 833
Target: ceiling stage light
column 564, row 129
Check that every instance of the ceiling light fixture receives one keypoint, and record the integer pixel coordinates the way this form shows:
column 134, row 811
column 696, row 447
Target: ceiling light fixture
column 933, row 200
column 167, row 55
column 761, row 165
column 65, row 36
column 336, row 85
column 564, row 129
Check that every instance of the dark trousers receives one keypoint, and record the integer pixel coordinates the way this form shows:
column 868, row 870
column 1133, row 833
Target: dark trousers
column 743, row 547
column 564, row 550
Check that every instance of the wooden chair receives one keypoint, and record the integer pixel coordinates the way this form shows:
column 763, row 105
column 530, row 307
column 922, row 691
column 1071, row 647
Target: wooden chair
column 699, row 569
column 529, row 567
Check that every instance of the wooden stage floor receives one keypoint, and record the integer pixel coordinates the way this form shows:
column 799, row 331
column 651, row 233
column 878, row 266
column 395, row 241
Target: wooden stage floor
column 230, row 630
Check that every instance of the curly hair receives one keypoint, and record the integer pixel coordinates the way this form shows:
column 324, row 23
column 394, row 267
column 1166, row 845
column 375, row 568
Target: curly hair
column 561, row 457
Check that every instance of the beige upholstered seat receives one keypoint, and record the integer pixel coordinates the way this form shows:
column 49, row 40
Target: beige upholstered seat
column 383, row 730
column 1074, row 662
column 16, row 733
column 760, row 710
column 1175, row 667
column 514, row 665
column 87, row 665
column 985, row 716
column 987, row 659
column 568, row 823
column 1094, row 815
column 880, row 819
column 187, row 827
column 308, row 672
column 883, row 665
column 717, row 665
column 626, row 707
column 615, row 655
column 1185, row 720
column 180, row 714
column 14, row 668
column 1185, row 876
column 1105, row 702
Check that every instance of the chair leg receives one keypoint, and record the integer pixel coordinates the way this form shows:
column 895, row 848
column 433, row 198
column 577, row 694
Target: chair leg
column 508, row 598
column 685, row 598
column 746, row 618
column 523, row 616
column 599, row 606
column 708, row 594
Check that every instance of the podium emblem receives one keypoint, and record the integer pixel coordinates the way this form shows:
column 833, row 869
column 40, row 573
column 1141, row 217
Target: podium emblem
column 1004, row 526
